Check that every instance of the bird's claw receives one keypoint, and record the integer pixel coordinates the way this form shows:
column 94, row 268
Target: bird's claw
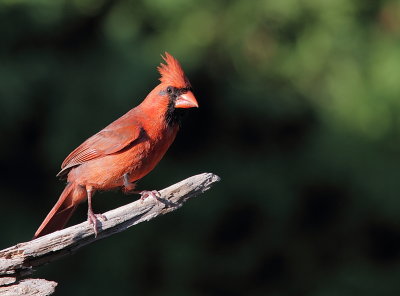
column 93, row 220
column 149, row 193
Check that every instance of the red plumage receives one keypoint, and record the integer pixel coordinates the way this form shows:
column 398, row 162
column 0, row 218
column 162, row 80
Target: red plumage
column 124, row 151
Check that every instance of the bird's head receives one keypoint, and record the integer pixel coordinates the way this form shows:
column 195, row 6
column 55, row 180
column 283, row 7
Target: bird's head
column 175, row 84
column 173, row 96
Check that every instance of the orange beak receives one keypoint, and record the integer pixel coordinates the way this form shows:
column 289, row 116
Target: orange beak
column 186, row 100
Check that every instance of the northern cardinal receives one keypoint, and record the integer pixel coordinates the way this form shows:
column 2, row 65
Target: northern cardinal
column 124, row 151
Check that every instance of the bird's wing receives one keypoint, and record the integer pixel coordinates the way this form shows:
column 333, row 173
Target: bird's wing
column 105, row 142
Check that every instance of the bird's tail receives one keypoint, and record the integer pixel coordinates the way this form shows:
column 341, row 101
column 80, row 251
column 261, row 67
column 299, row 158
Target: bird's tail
column 61, row 212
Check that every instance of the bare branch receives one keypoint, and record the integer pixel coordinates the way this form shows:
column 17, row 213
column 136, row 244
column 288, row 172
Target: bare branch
column 19, row 260
column 37, row 287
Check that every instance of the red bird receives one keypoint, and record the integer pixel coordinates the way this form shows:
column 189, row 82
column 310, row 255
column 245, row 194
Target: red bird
column 124, row 151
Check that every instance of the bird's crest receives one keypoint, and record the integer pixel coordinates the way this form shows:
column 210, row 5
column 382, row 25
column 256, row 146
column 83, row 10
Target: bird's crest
column 172, row 72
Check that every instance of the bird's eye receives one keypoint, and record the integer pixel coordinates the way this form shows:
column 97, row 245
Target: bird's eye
column 169, row 90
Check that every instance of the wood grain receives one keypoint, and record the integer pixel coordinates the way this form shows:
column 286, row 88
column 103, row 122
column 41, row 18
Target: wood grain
column 20, row 260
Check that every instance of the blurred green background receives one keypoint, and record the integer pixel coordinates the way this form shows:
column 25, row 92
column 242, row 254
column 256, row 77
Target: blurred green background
column 299, row 114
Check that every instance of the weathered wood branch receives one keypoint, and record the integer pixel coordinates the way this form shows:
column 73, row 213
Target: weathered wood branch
column 20, row 260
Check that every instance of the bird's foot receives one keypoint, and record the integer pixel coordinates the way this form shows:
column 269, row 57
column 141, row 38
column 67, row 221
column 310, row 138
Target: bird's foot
column 93, row 219
column 152, row 193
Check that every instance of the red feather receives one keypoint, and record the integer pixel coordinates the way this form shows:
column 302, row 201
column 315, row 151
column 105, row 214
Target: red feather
column 172, row 72
column 124, row 151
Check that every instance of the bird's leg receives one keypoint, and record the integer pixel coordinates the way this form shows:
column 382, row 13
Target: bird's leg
column 128, row 186
column 92, row 217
